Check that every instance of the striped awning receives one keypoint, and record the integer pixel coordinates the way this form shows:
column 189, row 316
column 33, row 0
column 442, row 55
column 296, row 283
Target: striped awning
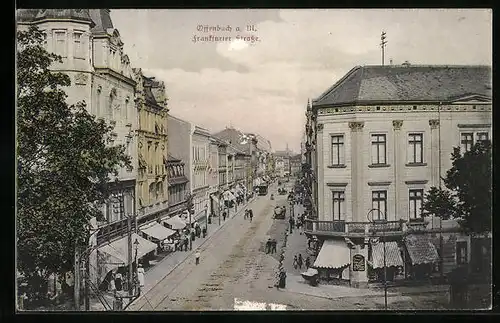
column 421, row 250
column 392, row 255
column 333, row 254
column 157, row 231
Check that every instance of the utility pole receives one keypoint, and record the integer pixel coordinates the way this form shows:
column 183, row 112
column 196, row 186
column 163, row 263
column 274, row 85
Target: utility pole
column 77, row 278
column 440, row 218
column 382, row 45
column 87, row 274
column 129, row 245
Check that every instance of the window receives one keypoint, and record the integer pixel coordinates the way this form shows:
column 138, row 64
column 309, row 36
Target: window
column 60, row 39
column 482, row 136
column 466, row 141
column 379, row 202
column 98, row 103
column 461, row 252
column 338, row 150
column 415, row 148
column 110, row 105
column 125, row 109
column 77, row 45
column 416, row 199
column 379, row 149
column 338, row 205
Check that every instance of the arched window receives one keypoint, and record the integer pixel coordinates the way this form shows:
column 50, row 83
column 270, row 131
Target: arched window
column 125, row 108
column 152, row 193
column 98, row 101
column 110, row 104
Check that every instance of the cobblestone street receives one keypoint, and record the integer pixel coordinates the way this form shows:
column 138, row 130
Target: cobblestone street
column 234, row 266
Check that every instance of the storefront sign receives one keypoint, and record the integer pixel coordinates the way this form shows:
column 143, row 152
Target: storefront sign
column 358, row 263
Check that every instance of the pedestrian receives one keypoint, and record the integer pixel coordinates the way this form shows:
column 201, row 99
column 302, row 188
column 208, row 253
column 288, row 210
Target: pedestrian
column 185, row 243
column 273, row 246
column 251, row 215
column 308, row 263
column 204, row 232
column 299, row 261
column 112, row 286
column 295, row 262
column 268, row 245
column 224, row 214
column 197, row 256
column 140, row 278
column 245, row 215
column 118, row 281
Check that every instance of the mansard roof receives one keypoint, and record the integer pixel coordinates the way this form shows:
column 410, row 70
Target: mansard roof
column 32, row 15
column 410, row 83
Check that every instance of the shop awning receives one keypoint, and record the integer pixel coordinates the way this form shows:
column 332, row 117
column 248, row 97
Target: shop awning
column 392, row 255
column 119, row 249
column 157, row 231
column 228, row 195
column 421, row 250
column 216, row 200
column 333, row 254
column 175, row 222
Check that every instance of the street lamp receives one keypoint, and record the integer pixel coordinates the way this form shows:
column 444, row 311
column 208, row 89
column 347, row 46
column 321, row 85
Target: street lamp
column 136, row 246
column 383, row 222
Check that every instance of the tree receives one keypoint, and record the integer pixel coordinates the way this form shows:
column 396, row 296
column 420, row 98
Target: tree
column 65, row 158
column 439, row 203
column 468, row 192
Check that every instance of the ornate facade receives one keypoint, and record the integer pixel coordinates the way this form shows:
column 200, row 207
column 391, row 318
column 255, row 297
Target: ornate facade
column 177, row 185
column 152, row 134
column 101, row 76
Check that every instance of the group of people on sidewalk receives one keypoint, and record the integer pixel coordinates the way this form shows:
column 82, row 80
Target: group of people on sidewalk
column 298, row 261
column 271, row 245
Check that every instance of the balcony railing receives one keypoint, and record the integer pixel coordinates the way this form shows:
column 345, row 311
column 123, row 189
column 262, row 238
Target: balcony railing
column 353, row 228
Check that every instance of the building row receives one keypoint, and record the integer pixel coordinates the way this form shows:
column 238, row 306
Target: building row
column 376, row 141
column 173, row 160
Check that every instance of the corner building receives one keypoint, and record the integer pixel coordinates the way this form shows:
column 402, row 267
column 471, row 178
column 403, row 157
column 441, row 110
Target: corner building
column 383, row 136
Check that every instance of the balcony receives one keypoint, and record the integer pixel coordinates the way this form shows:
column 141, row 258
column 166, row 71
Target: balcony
column 353, row 229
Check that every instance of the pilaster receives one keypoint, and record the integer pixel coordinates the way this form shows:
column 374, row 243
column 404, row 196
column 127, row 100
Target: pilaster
column 356, row 170
column 321, row 171
column 434, row 124
column 398, row 162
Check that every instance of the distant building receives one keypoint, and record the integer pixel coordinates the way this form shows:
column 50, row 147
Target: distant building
column 377, row 140
column 200, row 172
column 179, row 147
column 282, row 162
column 178, row 185
column 244, row 147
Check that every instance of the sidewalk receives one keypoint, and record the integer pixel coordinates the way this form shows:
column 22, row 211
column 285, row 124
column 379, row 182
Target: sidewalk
column 171, row 261
column 296, row 284
column 296, row 244
column 166, row 265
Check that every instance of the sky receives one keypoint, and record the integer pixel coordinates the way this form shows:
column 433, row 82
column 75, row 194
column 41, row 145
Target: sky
column 263, row 87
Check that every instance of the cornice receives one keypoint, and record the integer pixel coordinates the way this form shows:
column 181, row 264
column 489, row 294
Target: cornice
column 405, row 108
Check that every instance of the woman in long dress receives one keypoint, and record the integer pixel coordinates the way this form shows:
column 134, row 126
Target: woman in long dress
column 140, row 277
